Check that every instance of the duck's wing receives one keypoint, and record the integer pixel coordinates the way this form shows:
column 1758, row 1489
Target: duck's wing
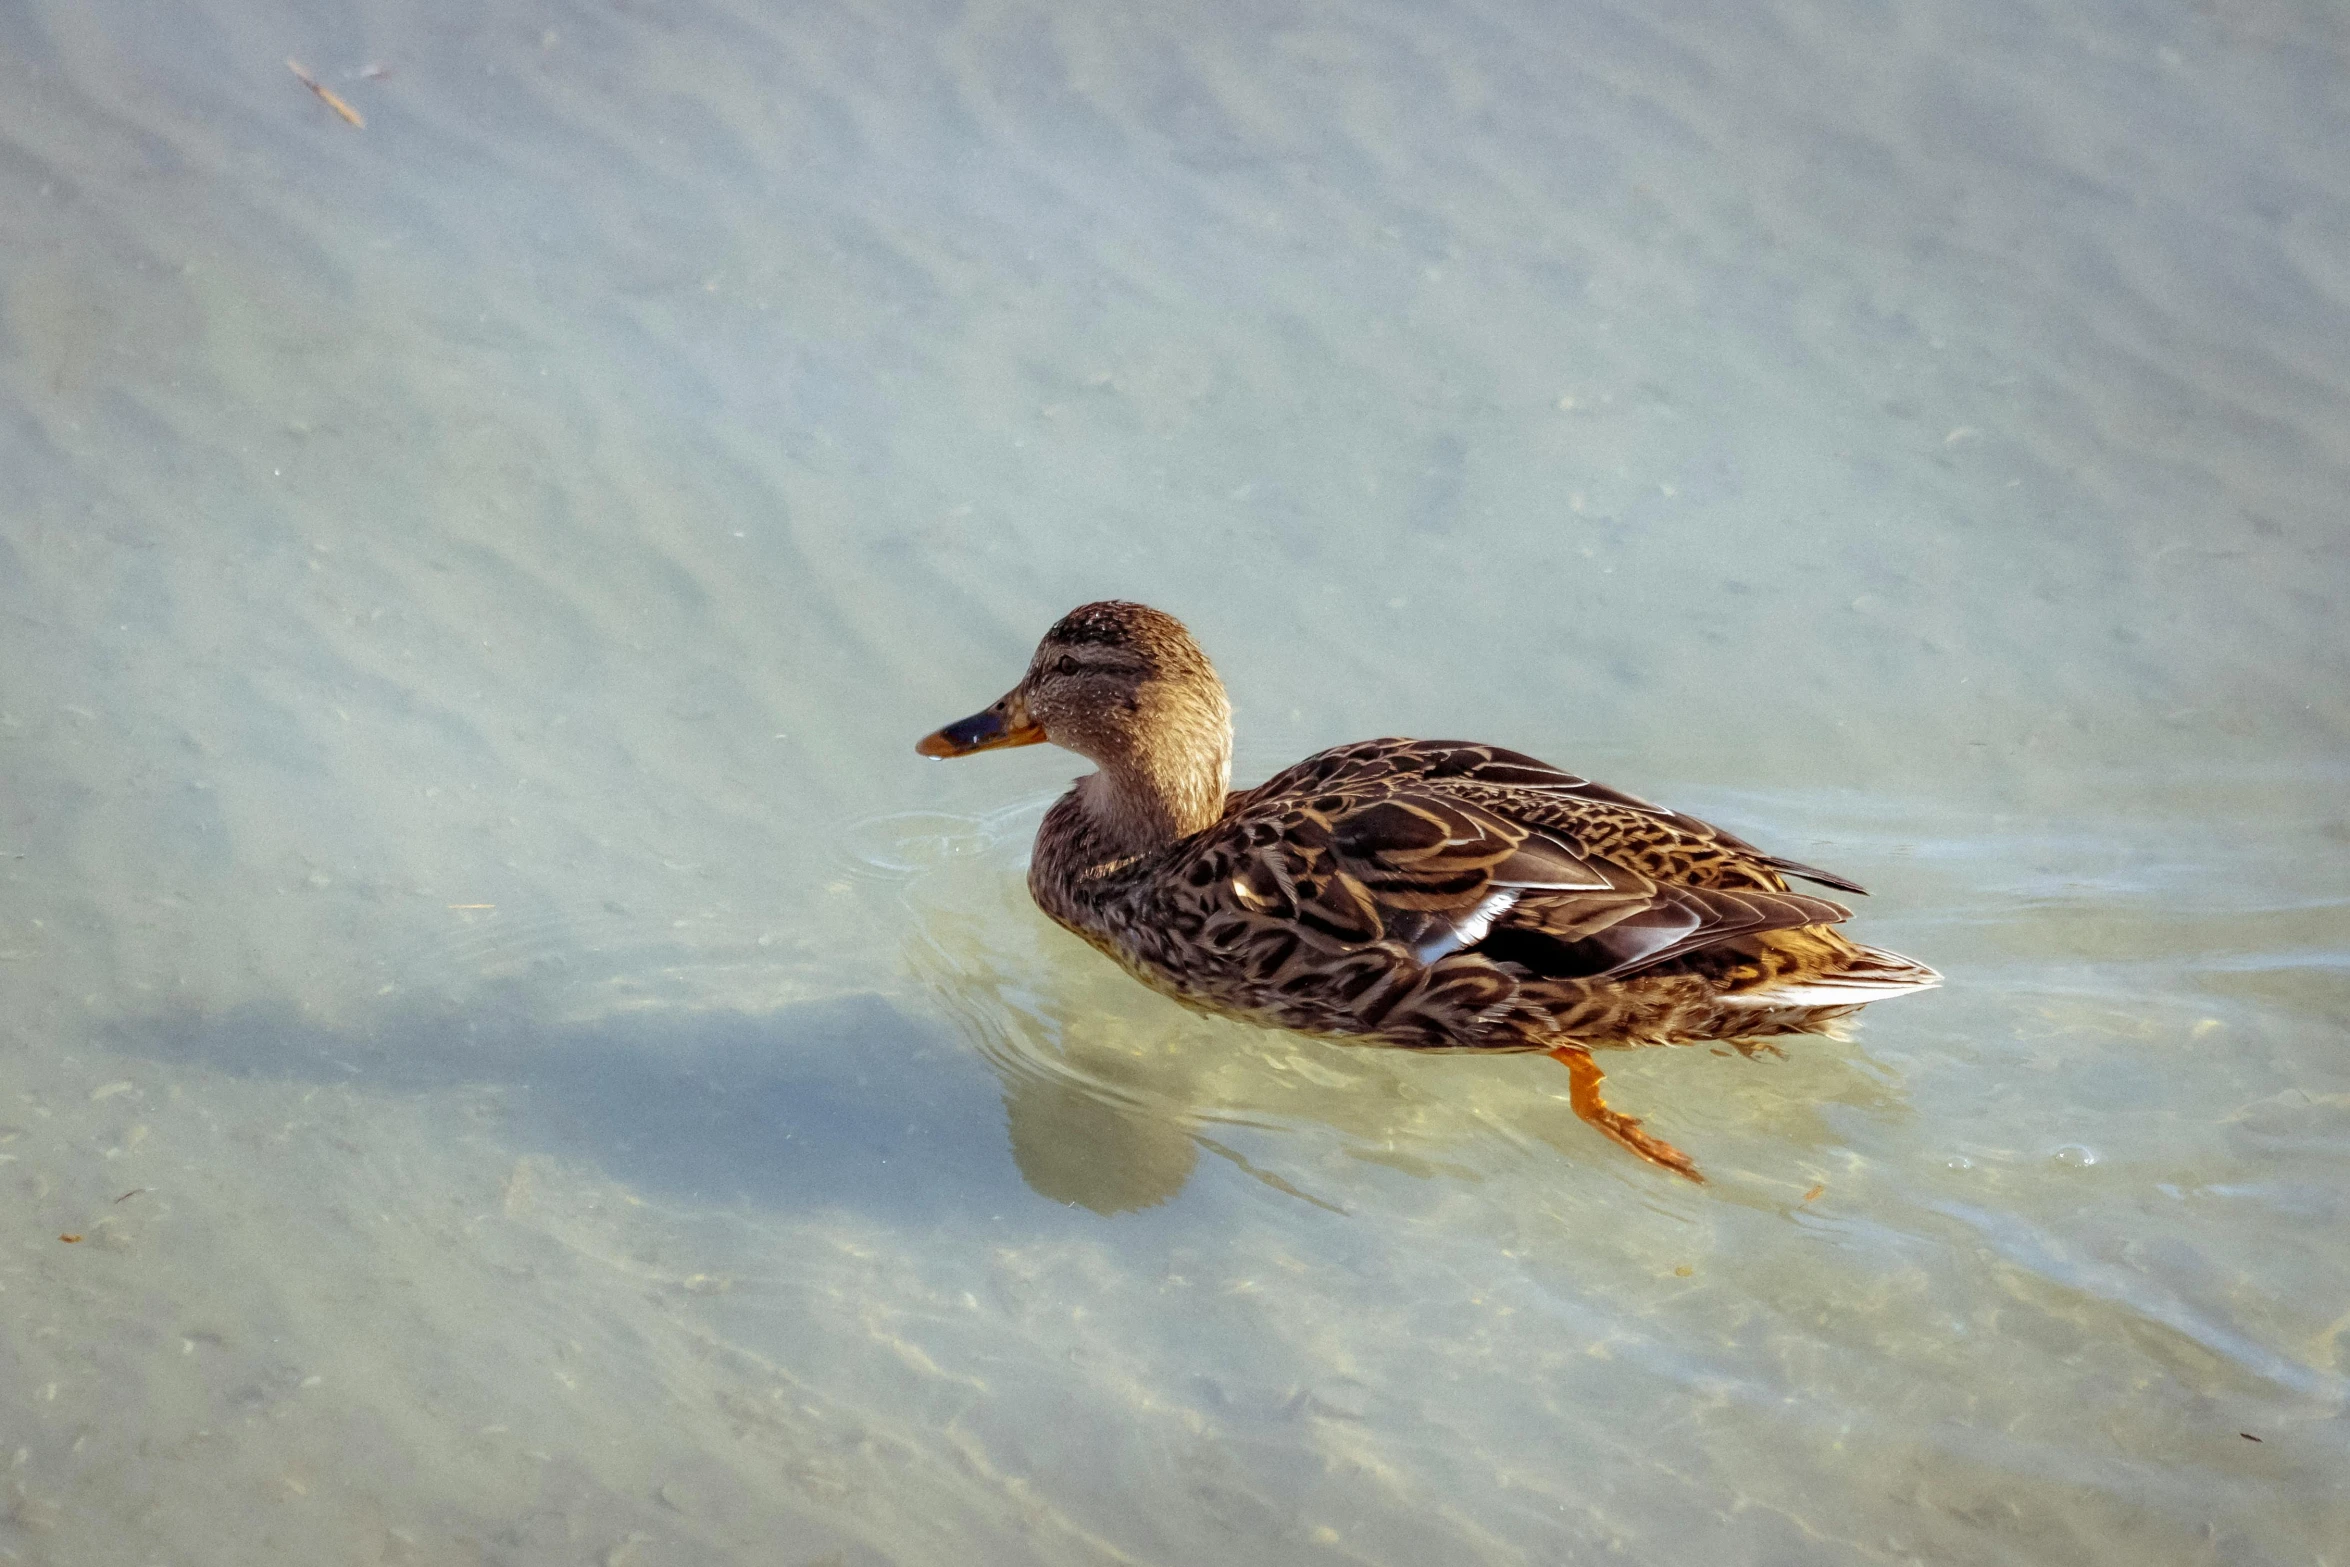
column 1655, row 840
column 1436, row 872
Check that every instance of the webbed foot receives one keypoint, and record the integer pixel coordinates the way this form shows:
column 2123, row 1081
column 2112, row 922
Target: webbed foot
column 1583, row 1093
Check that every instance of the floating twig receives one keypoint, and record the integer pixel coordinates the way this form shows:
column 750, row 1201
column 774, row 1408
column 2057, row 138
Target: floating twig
column 328, row 96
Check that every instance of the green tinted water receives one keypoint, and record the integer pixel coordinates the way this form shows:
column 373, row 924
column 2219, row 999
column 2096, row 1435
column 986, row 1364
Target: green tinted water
column 540, row 1072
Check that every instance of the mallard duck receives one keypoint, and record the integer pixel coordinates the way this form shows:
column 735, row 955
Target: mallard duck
column 1428, row 894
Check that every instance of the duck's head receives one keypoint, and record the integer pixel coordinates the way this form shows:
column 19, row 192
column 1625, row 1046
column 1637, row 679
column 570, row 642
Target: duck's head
column 1124, row 685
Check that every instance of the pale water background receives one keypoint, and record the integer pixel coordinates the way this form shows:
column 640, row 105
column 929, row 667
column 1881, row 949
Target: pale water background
column 542, row 1073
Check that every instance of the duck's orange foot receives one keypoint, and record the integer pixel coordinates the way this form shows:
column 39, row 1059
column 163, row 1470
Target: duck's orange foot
column 1583, row 1093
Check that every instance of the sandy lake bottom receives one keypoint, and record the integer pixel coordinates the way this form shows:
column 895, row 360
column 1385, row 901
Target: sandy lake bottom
column 507, row 1057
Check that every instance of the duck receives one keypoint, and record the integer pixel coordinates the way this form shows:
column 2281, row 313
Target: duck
column 1435, row 895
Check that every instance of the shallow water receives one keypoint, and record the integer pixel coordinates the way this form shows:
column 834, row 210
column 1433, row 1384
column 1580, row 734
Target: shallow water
column 540, row 1072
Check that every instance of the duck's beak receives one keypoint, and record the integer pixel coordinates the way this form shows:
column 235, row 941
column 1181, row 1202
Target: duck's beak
column 1006, row 723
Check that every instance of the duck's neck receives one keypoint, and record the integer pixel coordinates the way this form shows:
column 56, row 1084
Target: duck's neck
column 1134, row 807
column 1166, row 761
column 1148, row 803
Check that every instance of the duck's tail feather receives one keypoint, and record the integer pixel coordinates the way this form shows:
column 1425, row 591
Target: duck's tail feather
column 1812, row 873
column 1869, row 974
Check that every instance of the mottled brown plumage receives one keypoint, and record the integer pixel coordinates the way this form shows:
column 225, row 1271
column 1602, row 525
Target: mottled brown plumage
column 1429, row 894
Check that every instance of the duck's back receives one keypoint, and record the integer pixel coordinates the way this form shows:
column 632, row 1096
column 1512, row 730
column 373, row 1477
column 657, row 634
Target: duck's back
column 1441, row 893
column 1634, row 833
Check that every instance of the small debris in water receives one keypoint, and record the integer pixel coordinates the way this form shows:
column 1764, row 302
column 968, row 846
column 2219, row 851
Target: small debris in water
column 1815, row 1191
column 327, row 96
column 133, row 1192
column 2247, row 1436
column 70, row 1240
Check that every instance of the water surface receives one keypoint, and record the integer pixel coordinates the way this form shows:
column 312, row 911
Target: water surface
column 540, row 1072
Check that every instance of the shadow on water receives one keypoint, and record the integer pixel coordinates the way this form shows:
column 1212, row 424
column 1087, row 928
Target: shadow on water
column 846, row 1101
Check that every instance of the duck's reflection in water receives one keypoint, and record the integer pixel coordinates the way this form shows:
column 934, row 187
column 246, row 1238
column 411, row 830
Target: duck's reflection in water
column 1098, row 1110
column 1075, row 1147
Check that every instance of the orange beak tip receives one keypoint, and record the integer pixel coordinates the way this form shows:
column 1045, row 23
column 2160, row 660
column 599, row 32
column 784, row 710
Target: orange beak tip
column 984, row 731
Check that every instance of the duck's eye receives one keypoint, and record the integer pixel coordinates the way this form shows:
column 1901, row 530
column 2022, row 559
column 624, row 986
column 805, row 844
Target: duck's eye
column 1067, row 666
